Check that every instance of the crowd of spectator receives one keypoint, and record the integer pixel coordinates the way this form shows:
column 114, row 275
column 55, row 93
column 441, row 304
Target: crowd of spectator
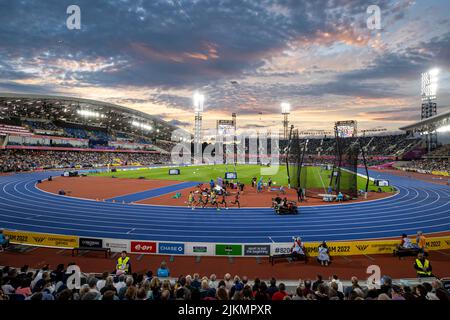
column 429, row 165
column 42, row 125
column 47, row 284
column 26, row 160
column 441, row 152
column 388, row 145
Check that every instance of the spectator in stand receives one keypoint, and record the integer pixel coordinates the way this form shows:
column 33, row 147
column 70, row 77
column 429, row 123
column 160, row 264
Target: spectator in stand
column 319, row 280
column 120, row 283
column 108, row 286
column 131, row 293
column 396, row 293
column 280, row 293
column 222, row 294
column 299, row 294
column 237, row 286
column 307, row 288
column 272, row 288
column 163, row 270
column 92, row 283
column 322, row 292
column 58, row 274
column 355, row 285
column 139, row 287
column 204, row 289
column 128, row 283
column 340, row 286
column 335, row 286
column 261, row 292
column 101, row 283
column 24, row 288
column 420, row 293
column 228, row 281
column 247, row 293
column 213, row 281
column 196, row 283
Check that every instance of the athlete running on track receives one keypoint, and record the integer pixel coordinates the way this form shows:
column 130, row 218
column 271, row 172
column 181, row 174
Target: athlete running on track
column 236, row 199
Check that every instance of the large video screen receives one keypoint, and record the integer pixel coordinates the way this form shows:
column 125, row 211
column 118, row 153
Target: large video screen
column 346, row 131
column 225, row 130
column 174, row 172
column 230, row 176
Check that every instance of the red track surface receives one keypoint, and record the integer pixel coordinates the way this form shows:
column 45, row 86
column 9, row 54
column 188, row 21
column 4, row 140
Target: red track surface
column 103, row 188
column 100, row 187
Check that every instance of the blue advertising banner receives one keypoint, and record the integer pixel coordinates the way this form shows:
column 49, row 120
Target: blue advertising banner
column 171, row 248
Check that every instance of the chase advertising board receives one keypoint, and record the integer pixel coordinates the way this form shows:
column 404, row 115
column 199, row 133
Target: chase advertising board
column 171, row 248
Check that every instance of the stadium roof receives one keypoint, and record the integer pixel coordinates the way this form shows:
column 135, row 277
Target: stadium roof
column 65, row 108
column 429, row 123
column 82, row 101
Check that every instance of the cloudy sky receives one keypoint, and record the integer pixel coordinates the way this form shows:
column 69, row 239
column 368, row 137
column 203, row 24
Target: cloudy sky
column 245, row 56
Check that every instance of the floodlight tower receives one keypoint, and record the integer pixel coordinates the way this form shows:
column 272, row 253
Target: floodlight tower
column 285, row 111
column 199, row 101
column 429, row 105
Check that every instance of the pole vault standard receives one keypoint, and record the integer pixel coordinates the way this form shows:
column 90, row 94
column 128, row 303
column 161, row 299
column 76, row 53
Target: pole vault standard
column 363, row 154
column 287, row 154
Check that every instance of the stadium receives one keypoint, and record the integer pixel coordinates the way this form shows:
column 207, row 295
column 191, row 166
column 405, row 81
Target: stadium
column 134, row 206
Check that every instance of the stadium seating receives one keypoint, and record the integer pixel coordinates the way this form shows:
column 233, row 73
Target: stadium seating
column 46, row 284
column 26, row 160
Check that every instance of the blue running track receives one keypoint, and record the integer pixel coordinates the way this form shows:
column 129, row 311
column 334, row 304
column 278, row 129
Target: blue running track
column 418, row 206
column 134, row 197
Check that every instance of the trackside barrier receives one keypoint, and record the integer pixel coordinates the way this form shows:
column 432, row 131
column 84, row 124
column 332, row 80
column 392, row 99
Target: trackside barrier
column 42, row 239
column 336, row 248
column 351, row 248
column 440, row 173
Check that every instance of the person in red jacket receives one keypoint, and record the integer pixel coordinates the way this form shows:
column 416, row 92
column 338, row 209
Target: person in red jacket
column 281, row 293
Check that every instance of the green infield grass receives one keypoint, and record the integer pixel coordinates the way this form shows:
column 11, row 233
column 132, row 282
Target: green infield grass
column 318, row 178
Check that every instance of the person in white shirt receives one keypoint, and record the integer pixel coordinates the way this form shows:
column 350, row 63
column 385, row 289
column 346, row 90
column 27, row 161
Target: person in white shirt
column 324, row 256
column 228, row 281
column 213, row 281
column 406, row 242
column 338, row 282
column 119, row 285
column 101, row 283
column 39, row 276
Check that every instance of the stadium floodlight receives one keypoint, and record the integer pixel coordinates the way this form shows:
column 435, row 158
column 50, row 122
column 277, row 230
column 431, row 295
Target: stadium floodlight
column 199, row 101
column 89, row 114
column 430, row 84
column 285, row 111
column 285, row 108
column 142, row 126
column 443, row 129
column 434, row 72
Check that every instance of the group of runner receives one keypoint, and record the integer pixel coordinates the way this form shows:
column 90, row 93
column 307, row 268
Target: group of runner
column 215, row 197
column 217, row 194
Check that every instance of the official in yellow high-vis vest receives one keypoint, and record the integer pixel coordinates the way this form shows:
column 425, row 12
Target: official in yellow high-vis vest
column 123, row 264
column 423, row 266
